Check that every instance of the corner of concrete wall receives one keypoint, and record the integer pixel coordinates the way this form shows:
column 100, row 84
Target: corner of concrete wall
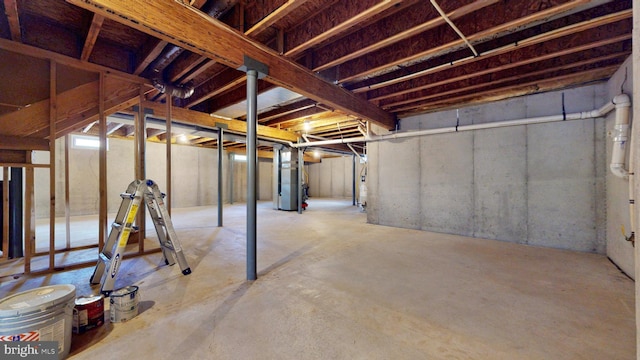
column 619, row 250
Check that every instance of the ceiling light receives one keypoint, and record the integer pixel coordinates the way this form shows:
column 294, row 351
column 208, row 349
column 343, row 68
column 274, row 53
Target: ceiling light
column 316, row 154
column 182, row 139
column 307, row 126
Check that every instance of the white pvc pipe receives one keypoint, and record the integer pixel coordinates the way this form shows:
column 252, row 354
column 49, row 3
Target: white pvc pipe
column 620, row 136
column 537, row 120
column 632, row 219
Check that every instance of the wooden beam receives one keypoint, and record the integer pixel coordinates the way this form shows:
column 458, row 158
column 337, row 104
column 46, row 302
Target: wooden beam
column 186, row 27
column 513, row 90
column 148, row 53
column 183, row 65
column 332, row 22
column 102, row 163
column 489, row 20
column 201, row 119
column 77, row 108
column 67, row 191
column 409, row 22
column 237, row 95
column 11, row 10
column 264, row 154
column 92, row 36
column 293, row 116
column 5, row 212
column 498, row 47
column 68, row 61
column 140, row 151
column 511, row 75
column 286, row 109
column 222, row 82
column 274, row 16
column 53, row 116
column 29, row 214
column 493, row 63
column 23, row 143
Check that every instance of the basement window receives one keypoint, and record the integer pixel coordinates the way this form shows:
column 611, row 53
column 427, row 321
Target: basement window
column 86, row 142
column 240, row 157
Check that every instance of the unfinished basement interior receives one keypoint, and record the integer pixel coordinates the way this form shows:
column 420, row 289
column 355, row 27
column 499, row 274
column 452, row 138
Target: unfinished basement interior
column 307, row 179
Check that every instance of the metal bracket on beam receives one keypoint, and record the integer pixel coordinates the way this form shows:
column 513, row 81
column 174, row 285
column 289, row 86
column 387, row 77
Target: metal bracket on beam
column 253, row 64
column 222, row 126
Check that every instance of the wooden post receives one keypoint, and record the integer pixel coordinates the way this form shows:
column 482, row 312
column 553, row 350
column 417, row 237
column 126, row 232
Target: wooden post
column 53, row 115
column 168, row 140
column 140, row 151
column 67, row 206
column 5, row 212
column 102, row 220
column 29, row 215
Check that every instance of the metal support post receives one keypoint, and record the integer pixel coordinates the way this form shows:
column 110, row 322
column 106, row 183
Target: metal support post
column 252, row 68
column 353, row 186
column 220, row 151
column 300, row 177
column 276, row 177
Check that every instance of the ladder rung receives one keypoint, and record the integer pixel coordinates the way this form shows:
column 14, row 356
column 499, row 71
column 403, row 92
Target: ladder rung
column 116, row 225
column 127, row 195
column 105, row 257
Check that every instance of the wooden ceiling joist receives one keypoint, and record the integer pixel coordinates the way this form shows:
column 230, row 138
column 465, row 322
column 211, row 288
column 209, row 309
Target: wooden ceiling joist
column 285, row 110
column 274, row 16
column 527, row 37
column 147, row 54
column 518, row 89
column 182, row 25
column 488, row 22
column 68, row 61
column 407, row 23
column 225, row 81
column 613, row 38
column 11, row 9
column 205, row 120
column 23, row 143
column 537, row 71
column 333, row 22
column 92, row 36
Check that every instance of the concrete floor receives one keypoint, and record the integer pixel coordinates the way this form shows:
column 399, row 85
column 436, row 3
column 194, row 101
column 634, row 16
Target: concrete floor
column 332, row 286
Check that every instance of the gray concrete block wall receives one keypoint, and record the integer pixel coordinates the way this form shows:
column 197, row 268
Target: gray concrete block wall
column 537, row 184
column 265, row 179
column 444, row 184
column 561, row 186
column 399, row 183
column 333, row 177
column 500, row 184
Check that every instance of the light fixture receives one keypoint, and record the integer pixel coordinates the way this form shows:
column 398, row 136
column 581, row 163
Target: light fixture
column 182, row 139
column 316, row 154
column 307, row 126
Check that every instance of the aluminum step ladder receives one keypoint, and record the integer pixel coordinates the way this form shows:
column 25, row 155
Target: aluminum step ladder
column 113, row 250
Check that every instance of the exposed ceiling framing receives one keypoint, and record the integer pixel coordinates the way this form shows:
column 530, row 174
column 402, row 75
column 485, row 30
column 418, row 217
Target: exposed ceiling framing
column 349, row 62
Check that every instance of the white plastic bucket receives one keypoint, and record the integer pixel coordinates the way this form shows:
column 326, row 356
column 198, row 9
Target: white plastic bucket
column 41, row 314
column 123, row 304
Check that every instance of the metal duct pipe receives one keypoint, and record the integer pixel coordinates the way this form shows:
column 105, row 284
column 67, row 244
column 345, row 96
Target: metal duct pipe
column 215, row 9
column 181, row 92
column 620, row 136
